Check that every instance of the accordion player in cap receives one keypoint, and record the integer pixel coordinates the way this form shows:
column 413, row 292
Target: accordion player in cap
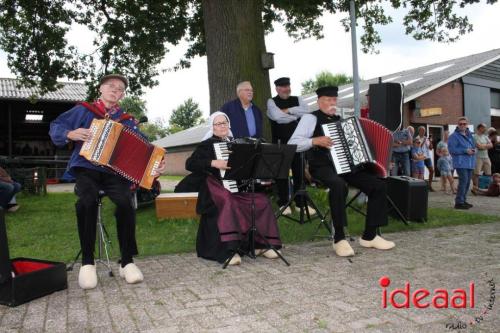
column 73, row 126
column 309, row 136
column 284, row 112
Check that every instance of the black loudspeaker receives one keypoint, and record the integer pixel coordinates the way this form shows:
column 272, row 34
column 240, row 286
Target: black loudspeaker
column 386, row 104
column 410, row 196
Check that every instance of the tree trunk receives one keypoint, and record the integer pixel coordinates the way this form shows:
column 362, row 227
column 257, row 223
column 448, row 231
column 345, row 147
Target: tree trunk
column 234, row 36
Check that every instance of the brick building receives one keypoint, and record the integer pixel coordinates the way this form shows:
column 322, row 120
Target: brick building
column 436, row 95
column 180, row 146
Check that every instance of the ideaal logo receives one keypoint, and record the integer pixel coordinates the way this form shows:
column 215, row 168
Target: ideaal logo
column 440, row 298
column 423, row 298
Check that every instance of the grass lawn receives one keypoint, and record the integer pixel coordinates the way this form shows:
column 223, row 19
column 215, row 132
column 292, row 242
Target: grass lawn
column 45, row 227
column 174, row 178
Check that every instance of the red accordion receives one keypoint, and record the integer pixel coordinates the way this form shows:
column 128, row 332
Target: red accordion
column 358, row 142
column 119, row 148
column 380, row 140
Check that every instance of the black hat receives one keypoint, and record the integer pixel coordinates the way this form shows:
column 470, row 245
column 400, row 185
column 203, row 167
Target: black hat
column 330, row 91
column 114, row 76
column 282, row 81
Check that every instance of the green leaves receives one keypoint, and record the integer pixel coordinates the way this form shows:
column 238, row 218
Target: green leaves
column 33, row 35
column 153, row 130
column 324, row 78
column 132, row 37
column 185, row 116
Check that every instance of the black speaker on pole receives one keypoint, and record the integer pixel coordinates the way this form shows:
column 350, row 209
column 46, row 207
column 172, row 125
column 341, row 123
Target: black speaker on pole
column 386, row 104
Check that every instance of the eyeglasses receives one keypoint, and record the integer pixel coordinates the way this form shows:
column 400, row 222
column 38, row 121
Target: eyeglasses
column 224, row 123
column 462, row 124
column 116, row 88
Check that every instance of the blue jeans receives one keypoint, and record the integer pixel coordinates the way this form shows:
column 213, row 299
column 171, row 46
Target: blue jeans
column 464, row 178
column 7, row 191
column 402, row 159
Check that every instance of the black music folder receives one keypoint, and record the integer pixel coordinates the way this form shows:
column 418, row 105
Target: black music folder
column 259, row 160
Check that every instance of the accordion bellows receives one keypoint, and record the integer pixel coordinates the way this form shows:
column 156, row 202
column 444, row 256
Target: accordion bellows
column 359, row 141
column 119, row 148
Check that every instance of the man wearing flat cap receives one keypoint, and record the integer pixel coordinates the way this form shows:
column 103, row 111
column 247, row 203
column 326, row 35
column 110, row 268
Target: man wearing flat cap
column 73, row 126
column 309, row 137
column 284, row 112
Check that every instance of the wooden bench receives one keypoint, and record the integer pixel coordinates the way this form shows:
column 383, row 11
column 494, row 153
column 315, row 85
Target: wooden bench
column 176, row 205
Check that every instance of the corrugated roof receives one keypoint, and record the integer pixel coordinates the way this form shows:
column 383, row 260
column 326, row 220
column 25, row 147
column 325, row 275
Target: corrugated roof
column 70, row 92
column 187, row 137
column 417, row 81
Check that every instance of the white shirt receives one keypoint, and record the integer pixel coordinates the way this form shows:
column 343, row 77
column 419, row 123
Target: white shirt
column 294, row 113
column 302, row 137
column 425, row 145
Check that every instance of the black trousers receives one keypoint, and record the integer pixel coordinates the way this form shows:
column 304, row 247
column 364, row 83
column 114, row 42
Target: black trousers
column 282, row 184
column 368, row 183
column 88, row 184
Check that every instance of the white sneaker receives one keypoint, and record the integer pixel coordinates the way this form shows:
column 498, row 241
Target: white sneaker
column 311, row 210
column 377, row 243
column 288, row 211
column 268, row 253
column 235, row 260
column 87, row 277
column 131, row 273
column 13, row 208
column 343, row 248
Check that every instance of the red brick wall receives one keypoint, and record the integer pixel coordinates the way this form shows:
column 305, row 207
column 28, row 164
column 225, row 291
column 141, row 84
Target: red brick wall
column 448, row 97
column 176, row 162
column 495, row 122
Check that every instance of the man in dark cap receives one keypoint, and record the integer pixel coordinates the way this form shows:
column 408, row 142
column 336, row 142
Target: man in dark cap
column 73, row 125
column 309, row 137
column 284, row 112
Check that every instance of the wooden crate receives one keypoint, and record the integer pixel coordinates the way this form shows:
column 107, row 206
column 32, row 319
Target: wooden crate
column 176, row 205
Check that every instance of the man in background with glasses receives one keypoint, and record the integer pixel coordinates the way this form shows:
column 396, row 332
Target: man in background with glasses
column 245, row 117
column 462, row 149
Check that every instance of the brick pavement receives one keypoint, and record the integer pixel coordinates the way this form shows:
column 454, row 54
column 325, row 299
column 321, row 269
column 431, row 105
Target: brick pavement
column 319, row 292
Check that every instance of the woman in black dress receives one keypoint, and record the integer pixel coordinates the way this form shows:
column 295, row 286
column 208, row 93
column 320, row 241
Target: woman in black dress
column 224, row 215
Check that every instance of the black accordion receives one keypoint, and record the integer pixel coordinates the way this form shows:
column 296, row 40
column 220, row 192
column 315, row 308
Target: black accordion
column 358, row 142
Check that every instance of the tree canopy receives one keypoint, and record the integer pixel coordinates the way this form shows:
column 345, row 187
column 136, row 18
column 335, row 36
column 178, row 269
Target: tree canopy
column 134, row 36
column 325, row 78
column 185, row 116
column 137, row 107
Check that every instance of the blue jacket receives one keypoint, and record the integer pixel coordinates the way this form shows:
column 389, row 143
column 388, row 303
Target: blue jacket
column 458, row 145
column 236, row 114
column 79, row 117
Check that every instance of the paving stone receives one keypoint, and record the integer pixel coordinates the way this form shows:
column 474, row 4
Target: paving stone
column 319, row 292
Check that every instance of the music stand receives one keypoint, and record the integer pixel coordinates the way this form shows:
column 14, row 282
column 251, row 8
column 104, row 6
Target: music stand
column 250, row 162
column 306, row 201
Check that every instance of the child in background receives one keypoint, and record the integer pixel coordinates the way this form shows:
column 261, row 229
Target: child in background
column 445, row 166
column 494, row 188
column 417, row 159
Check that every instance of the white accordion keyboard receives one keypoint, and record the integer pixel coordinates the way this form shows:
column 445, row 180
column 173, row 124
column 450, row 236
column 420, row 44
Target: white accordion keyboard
column 222, row 153
column 349, row 145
